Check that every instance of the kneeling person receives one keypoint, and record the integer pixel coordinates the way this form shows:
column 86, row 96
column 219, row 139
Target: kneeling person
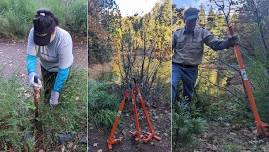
column 53, row 46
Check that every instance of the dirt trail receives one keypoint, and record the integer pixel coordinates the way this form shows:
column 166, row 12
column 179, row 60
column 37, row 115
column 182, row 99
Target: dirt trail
column 13, row 54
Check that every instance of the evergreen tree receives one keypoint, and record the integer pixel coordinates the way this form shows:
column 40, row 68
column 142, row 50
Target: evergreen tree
column 211, row 19
column 202, row 16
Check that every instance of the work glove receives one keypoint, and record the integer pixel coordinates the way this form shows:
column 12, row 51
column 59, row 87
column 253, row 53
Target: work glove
column 232, row 41
column 34, row 80
column 54, row 97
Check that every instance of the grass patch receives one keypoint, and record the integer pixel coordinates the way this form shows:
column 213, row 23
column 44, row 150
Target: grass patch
column 21, row 12
column 184, row 127
column 17, row 113
column 102, row 104
column 71, row 114
column 231, row 147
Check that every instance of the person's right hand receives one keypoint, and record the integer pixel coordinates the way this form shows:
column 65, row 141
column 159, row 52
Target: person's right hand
column 234, row 40
column 36, row 84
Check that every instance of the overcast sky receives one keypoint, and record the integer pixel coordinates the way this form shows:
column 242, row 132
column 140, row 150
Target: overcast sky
column 131, row 7
column 192, row 3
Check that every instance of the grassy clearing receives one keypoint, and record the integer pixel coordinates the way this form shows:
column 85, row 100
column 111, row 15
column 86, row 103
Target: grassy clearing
column 71, row 14
column 17, row 113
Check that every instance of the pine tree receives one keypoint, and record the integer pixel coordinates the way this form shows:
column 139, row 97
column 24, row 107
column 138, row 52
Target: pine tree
column 211, row 19
column 202, row 16
column 177, row 18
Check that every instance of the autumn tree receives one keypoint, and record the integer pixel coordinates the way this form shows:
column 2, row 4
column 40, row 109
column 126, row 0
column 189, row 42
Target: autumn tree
column 202, row 16
column 103, row 19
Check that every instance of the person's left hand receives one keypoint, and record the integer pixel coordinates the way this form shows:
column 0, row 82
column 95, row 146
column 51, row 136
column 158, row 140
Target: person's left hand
column 234, row 40
column 54, row 97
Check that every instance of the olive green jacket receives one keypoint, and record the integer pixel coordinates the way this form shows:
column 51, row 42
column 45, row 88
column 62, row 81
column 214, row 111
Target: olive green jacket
column 189, row 46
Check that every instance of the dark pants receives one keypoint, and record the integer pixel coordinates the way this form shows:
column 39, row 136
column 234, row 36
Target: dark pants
column 186, row 74
column 48, row 82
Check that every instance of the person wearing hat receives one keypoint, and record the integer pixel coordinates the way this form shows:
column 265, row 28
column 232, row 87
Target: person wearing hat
column 188, row 47
column 53, row 46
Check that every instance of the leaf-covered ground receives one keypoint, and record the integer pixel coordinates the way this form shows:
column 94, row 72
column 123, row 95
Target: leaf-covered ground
column 160, row 115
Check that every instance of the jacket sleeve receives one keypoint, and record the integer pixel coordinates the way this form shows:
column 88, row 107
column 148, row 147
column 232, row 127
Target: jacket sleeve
column 31, row 63
column 213, row 42
column 31, row 58
column 173, row 41
column 61, row 77
column 65, row 63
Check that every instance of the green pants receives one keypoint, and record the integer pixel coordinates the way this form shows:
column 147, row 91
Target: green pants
column 48, row 82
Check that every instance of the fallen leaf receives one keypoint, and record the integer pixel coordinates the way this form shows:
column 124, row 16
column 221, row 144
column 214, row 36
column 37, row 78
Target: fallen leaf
column 63, row 148
column 95, row 144
column 70, row 145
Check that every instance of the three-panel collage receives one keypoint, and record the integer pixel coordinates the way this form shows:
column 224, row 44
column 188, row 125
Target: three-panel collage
column 134, row 76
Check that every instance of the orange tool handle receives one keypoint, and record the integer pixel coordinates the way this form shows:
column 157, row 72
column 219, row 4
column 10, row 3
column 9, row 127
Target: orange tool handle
column 136, row 119
column 36, row 96
column 36, row 100
column 246, row 83
column 116, row 122
column 142, row 102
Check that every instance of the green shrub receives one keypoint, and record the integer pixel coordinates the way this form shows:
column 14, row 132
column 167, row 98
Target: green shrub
column 102, row 104
column 15, row 115
column 72, row 14
column 184, row 127
column 76, row 20
column 258, row 75
column 16, row 15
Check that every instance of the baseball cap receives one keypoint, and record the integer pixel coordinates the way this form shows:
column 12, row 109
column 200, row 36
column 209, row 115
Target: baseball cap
column 191, row 13
column 44, row 26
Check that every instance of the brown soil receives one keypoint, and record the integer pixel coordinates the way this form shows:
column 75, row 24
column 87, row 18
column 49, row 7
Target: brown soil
column 161, row 118
column 225, row 137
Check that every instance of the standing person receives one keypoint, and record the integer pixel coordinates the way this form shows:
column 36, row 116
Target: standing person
column 53, row 46
column 188, row 46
